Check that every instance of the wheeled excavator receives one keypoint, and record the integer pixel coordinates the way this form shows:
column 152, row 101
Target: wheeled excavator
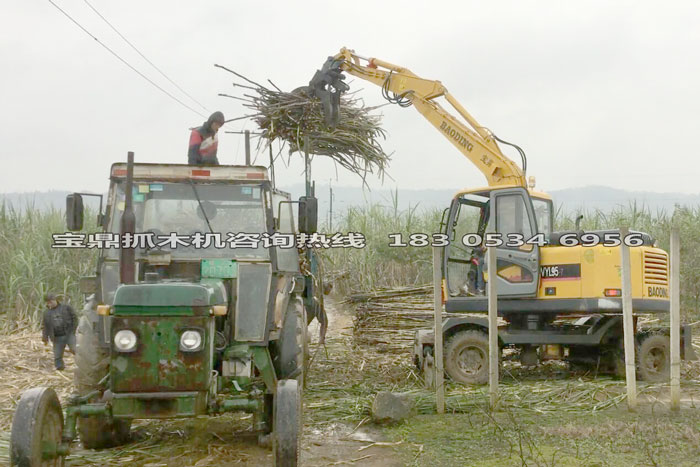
column 559, row 293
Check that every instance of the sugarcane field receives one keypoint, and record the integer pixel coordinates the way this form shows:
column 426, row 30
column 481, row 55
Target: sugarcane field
column 349, row 264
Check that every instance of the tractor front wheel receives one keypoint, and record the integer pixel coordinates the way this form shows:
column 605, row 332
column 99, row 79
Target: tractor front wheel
column 92, row 362
column 37, row 428
column 287, row 423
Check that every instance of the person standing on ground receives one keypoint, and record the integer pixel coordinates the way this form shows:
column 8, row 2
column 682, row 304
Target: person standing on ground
column 204, row 141
column 58, row 325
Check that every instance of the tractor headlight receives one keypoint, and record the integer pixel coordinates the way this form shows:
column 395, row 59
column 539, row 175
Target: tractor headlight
column 125, row 341
column 191, row 341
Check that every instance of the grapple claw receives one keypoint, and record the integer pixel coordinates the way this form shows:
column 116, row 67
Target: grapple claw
column 327, row 84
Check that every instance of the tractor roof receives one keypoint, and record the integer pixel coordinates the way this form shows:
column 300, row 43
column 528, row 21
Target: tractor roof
column 190, row 172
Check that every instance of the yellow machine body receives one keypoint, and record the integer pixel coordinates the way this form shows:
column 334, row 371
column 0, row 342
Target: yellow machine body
column 600, row 271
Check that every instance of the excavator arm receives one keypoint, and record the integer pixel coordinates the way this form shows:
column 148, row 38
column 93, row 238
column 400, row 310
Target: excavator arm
column 401, row 86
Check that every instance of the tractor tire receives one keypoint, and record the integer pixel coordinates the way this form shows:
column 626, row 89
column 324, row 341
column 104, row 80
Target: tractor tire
column 467, row 357
column 37, row 428
column 293, row 343
column 92, row 365
column 287, row 424
column 303, row 344
column 654, row 359
column 302, row 339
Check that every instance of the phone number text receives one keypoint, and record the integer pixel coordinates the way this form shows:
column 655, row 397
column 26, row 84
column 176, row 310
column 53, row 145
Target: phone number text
column 516, row 240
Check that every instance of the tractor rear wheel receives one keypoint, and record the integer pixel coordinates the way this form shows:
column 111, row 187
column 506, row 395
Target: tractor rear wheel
column 92, row 362
column 292, row 347
column 287, row 423
column 37, row 428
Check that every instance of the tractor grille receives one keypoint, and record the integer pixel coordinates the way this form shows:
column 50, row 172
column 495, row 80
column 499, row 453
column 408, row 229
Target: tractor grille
column 655, row 268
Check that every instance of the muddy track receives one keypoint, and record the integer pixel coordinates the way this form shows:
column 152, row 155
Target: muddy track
column 216, row 441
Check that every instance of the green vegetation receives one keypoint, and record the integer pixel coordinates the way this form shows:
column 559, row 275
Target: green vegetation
column 30, row 267
column 378, row 264
column 511, row 438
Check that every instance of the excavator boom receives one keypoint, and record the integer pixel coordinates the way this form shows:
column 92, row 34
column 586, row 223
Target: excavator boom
column 401, row 86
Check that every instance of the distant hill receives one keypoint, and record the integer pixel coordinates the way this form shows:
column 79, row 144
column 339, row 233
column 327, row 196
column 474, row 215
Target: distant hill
column 571, row 199
column 606, row 199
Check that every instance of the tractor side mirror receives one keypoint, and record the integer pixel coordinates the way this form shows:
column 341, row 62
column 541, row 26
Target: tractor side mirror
column 74, row 211
column 308, row 214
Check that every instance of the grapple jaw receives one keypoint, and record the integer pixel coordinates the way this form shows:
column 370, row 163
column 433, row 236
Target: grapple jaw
column 327, row 84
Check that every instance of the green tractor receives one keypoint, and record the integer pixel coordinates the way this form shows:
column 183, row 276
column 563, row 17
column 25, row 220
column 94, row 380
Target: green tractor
column 187, row 315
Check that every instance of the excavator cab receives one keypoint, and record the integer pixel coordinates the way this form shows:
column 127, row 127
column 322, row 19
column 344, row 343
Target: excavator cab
column 503, row 217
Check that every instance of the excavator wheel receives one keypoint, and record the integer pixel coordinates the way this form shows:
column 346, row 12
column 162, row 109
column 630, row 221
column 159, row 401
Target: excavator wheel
column 654, row 359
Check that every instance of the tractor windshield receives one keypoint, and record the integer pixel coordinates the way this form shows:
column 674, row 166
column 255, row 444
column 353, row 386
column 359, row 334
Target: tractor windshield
column 193, row 212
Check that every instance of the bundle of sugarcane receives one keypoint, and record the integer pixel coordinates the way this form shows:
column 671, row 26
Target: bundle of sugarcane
column 383, row 293
column 389, row 321
column 297, row 119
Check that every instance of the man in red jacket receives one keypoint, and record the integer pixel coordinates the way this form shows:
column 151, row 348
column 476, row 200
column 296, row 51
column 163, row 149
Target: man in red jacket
column 204, row 141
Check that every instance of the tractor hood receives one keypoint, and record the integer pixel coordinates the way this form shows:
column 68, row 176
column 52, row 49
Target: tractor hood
column 180, row 298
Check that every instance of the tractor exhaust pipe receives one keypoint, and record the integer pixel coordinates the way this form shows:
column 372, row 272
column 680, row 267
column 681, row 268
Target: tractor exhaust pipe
column 247, row 147
column 127, row 256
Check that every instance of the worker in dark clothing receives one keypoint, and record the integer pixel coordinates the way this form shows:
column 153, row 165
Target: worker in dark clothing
column 204, row 141
column 480, row 251
column 475, row 284
column 58, row 325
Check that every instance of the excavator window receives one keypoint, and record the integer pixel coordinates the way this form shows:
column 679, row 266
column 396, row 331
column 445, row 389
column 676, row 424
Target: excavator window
column 514, row 225
column 512, row 218
column 543, row 215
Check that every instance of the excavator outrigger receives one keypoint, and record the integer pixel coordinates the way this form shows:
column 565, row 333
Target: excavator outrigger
column 558, row 292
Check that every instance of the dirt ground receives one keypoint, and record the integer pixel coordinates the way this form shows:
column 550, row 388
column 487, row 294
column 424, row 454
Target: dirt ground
column 227, row 440
column 549, row 416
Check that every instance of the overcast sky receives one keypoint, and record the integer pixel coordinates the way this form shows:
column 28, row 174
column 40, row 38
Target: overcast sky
column 594, row 92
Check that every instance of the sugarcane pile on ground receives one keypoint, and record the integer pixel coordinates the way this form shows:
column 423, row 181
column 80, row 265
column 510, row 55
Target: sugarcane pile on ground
column 380, row 294
column 539, row 396
column 388, row 319
column 295, row 118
